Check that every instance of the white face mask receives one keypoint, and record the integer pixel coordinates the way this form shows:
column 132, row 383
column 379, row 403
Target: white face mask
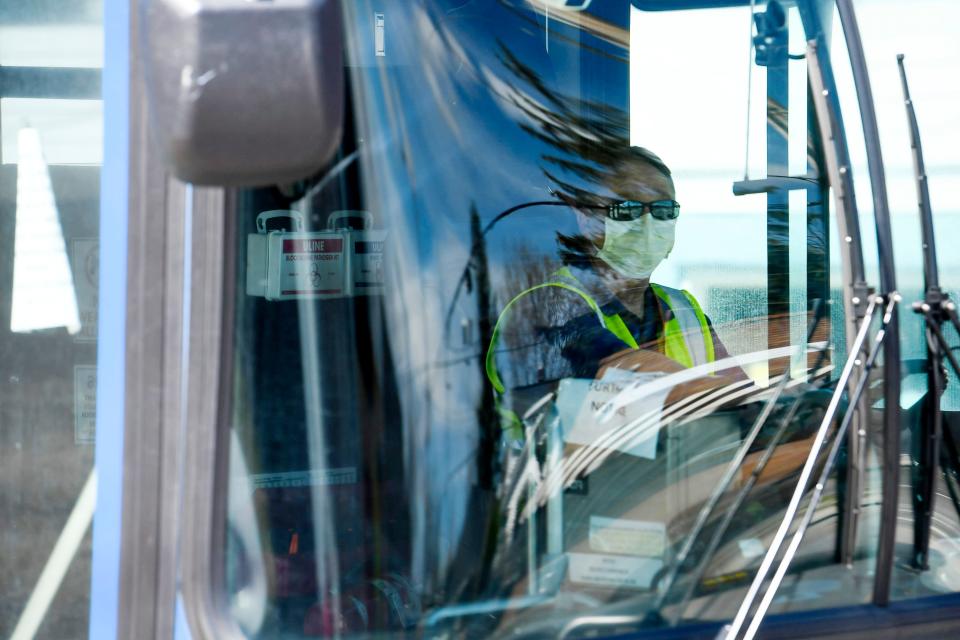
column 634, row 248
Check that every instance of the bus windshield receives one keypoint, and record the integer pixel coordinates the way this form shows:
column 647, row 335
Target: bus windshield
column 551, row 335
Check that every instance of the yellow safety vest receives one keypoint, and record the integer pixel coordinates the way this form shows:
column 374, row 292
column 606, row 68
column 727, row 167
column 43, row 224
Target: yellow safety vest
column 686, row 334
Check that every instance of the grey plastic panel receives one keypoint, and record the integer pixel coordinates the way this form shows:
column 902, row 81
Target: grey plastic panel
column 244, row 93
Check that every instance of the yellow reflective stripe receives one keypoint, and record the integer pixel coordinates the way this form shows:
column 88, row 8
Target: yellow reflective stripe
column 613, row 323
column 674, row 344
column 704, row 327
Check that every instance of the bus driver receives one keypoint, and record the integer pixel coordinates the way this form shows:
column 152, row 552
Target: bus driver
column 620, row 320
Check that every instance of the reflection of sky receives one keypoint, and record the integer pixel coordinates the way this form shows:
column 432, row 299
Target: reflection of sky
column 688, row 103
column 465, row 145
column 925, row 31
column 690, row 107
column 30, row 45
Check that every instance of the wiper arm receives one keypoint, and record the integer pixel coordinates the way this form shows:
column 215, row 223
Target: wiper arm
column 837, row 159
column 890, row 454
column 936, row 308
column 932, row 433
column 930, row 273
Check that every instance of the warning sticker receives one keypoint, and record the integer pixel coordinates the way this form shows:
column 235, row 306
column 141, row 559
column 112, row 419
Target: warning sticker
column 85, row 264
column 84, row 404
column 368, row 262
column 613, row 571
column 312, row 265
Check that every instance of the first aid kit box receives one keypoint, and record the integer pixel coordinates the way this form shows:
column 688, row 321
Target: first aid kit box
column 288, row 263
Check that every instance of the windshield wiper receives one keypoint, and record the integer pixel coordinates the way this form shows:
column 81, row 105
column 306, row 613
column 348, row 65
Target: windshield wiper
column 853, row 361
column 856, row 292
column 890, row 453
column 937, row 309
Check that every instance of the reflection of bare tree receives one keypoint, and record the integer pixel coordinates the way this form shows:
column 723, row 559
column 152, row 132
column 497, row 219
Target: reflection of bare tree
column 589, row 160
column 587, row 142
column 588, row 156
column 525, row 332
column 486, row 413
column 590, row 139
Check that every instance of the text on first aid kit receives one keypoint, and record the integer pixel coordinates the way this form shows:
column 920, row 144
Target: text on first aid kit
column 284, row 262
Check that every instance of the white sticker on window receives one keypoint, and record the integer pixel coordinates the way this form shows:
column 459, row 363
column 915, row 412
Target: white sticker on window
column 311, row 264
column 378, row 34
column 613, row 571
column 587, row 415
column 751, row 548
column 84, row 403
column 628, row 537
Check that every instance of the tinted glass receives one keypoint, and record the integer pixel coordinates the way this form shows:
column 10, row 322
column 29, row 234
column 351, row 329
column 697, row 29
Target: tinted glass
column 467, row 401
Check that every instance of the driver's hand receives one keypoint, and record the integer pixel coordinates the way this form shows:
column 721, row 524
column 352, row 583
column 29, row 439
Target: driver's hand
column 645, row 360
column 640, row 360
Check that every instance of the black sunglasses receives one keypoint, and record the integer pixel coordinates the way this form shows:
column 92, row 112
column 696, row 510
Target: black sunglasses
column 632, row 210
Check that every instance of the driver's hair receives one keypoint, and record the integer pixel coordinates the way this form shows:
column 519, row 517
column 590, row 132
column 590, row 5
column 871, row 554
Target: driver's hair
column 638, row 165
column 644, row 155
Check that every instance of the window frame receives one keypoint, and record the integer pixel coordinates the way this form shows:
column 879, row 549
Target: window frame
column 153, row 373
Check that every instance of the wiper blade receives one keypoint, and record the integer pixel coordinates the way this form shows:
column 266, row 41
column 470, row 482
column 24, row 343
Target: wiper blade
column 930, row 273
column 936, row 307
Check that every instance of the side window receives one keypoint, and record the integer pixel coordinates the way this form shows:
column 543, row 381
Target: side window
column 51, row 147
